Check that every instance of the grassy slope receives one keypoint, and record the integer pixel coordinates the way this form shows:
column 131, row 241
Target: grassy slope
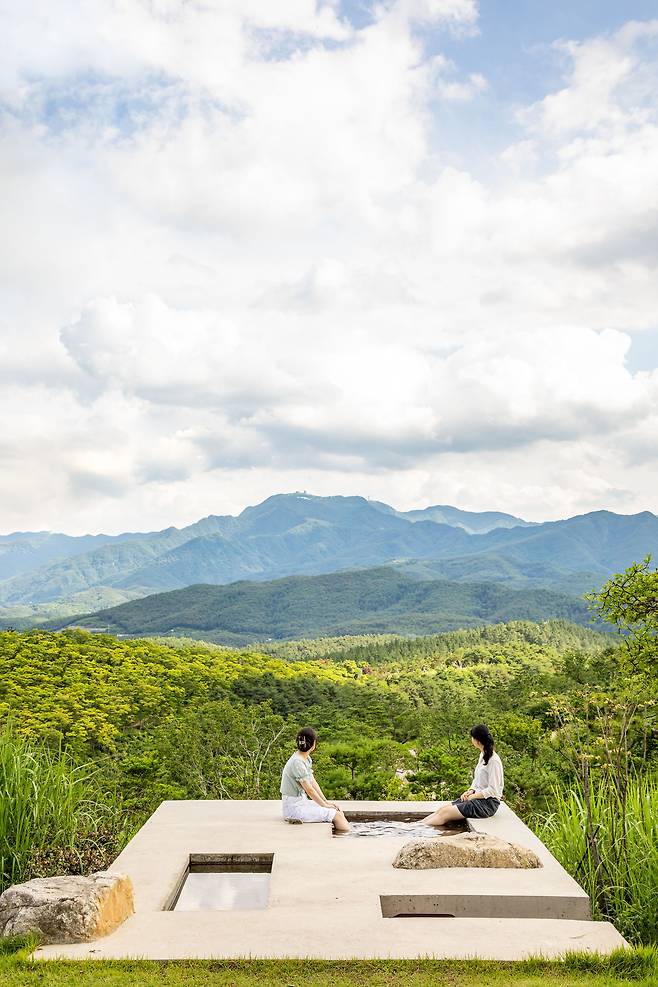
column 366, row 601
column 639, row 968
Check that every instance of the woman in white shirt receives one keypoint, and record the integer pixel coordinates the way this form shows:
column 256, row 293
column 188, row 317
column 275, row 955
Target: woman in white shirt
column 302, row 799
column 483, row 797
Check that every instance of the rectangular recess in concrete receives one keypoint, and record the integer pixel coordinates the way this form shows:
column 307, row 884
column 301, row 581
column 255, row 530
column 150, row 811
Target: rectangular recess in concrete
column 383, row 826
column 399, row 824
column 223, row 882
column 482, row 906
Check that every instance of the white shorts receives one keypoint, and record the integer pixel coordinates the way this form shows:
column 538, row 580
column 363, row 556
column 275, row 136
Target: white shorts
column 305, row 810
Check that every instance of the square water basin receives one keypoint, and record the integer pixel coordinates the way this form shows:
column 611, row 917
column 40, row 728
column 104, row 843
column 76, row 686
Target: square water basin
column 224, row 882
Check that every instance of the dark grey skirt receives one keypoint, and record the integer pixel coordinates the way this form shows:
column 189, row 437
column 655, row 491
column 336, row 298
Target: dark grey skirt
column 477, row 808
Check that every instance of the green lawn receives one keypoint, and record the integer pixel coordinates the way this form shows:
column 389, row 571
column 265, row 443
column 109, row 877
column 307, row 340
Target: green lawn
column 639, row 967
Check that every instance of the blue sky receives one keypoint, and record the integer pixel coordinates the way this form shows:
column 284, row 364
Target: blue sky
column 643, row 354
column 512, row 33
column 516, row 48
column 513, row 44
column 405, row 250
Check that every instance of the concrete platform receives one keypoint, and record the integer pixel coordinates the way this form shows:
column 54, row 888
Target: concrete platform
column 328, row 895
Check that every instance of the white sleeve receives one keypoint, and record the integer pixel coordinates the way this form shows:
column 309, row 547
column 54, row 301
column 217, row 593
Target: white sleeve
column 495, row 787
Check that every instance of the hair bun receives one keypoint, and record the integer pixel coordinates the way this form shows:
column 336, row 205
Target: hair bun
column 306, row 738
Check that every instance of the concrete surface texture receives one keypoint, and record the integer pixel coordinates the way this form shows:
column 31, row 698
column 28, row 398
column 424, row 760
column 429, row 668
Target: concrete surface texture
column 331, row 897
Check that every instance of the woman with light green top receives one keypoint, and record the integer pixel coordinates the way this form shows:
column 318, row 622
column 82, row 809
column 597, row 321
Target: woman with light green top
column 302, row 798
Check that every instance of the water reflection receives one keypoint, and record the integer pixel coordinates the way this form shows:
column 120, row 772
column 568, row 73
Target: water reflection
column 392, row 827
column 215, row 892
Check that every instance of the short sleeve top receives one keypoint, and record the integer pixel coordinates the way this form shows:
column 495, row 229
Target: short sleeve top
column 296, row 770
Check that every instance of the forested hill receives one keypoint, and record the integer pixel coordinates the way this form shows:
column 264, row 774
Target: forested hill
column 370, row 601
column 297, row 534
column 463, row 647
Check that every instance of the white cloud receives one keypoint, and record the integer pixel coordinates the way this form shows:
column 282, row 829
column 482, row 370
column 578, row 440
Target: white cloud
column 460, row 15
column 236, row 261
column 200, row 44
column 611, row 83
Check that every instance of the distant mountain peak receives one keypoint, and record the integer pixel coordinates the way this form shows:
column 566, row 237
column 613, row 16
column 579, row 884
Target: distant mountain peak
column 301, row 533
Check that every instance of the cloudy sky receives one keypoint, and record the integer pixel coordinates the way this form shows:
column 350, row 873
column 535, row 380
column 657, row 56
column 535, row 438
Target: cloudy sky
column 405, row 249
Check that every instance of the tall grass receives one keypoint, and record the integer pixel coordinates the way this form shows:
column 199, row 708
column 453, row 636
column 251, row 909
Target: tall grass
column 607, row 838
column 52, row 816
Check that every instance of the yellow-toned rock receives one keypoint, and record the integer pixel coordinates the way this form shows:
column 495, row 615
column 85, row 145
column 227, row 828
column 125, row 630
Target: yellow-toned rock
column 71, row 908
column 464, row 850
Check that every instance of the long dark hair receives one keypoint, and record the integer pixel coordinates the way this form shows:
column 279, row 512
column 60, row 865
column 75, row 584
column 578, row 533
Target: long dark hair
column 306, row 738
column 482, row 733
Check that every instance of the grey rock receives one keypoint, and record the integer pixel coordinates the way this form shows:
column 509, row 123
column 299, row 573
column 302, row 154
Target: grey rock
column 67, row 909
column 464, row 850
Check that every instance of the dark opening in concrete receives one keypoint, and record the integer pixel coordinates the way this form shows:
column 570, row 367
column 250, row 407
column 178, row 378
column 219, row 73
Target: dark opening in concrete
column 482, row 906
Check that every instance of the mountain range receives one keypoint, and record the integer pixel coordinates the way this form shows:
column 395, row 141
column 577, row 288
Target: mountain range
column 54, row 567
column 300, row 534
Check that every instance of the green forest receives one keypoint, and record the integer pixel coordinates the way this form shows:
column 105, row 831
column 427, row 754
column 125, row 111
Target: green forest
column 361, row 601
column 97, row 731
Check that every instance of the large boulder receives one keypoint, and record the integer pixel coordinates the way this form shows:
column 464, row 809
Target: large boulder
column 464, row 850
column 67, row 909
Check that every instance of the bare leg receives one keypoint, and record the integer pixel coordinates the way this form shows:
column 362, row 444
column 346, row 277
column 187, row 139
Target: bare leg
column 447, row 813
column 341, row 824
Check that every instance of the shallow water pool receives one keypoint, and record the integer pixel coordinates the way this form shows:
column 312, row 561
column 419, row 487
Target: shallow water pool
column 224, row 882
column 223, row 892
column 407, row 829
